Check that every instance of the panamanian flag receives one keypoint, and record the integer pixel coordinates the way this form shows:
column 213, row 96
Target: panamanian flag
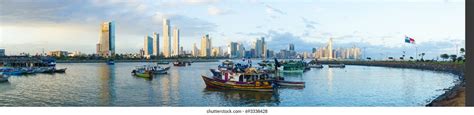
column 409, row 40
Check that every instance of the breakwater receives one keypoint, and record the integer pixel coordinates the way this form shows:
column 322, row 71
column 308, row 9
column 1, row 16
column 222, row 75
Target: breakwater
column 454, row 96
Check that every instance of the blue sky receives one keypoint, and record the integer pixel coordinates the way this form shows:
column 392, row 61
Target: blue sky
column 379, row 26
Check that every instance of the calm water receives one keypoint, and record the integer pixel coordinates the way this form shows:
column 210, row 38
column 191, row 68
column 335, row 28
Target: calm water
column 93, row 84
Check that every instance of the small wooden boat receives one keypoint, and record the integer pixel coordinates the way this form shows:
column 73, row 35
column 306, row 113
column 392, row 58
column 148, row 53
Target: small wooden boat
column 245, row 86
column 63, row 70
column 336, row 66
column 179, row 63
column 289, row 83
column 162, row 63
column 144, row 75
column 315, row 66
column 160, row 70
column 110, row 62
column 3, row 78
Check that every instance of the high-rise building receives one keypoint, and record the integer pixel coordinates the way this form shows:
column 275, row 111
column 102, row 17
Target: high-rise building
column 329, row 49
column 106, row 45
column 2, row 52
column 175, row 42
column 166, row 38
column 156, row 44
column 233, row 50
column 264, row 48
column 205, row 46
column 241, row 49
column 258, row 48
column 291, row 47
column 195, row 51
column 148, row 46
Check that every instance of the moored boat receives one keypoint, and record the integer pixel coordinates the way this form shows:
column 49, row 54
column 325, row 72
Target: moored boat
column 3, row 78
column 336, row 65
column 110, row 62
column 179, row 63
column 293, row 67
column 63, row 70
column 246, row 86
column 290, row 83
column 315, row 66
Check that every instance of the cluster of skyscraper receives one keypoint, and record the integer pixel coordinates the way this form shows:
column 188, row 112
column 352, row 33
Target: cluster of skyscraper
column 259, row 49
column 106, row 45
column 151, row 45
column 339, row 53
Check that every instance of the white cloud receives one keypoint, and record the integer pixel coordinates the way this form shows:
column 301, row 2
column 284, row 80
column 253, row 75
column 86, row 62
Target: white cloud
column 213, row 10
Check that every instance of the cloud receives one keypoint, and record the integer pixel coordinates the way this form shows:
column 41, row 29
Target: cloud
column 309, row 24
column 201, row 1
column 272, row 10
column 213, row 10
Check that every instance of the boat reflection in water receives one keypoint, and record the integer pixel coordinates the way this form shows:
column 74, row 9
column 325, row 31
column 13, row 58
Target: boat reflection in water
column 107, row 84
column 245, row 98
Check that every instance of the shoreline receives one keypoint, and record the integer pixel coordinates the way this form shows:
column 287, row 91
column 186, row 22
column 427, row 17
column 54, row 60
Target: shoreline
column 455, row 96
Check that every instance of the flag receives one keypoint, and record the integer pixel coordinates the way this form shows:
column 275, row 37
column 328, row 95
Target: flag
column 409, row 40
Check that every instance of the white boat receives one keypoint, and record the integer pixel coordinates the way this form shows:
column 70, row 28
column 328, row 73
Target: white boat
column 3, row 78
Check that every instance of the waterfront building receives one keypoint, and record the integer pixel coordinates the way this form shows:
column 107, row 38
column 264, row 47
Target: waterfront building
column 57, row 53
column 195, row 51
column 166, row 38
column 175, row 42
column 241, row 50
column 330, row 54
column 232, row 50
column 106, row 45
column 75, row 54
column 156, row 44
column 291, row 47
column 2, row 52
column 205, row 46
column 148, row 46
column 260, row 48
column 216, row 52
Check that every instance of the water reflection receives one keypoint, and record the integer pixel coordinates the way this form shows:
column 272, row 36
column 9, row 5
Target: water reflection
column 245, row 98
column 107, row 82
column 329, row 82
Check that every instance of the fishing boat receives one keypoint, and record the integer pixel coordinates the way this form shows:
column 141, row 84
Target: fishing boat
column 163, row 62
column 143, row 74
column 289, row 83
column 336, row 66
column 3, row 78
column 63, row 70
column 110, row 62
column 315, row 66
column 153, row 69
column 293, row 67
column 179, row 63
column 248, row 81
column 227, row 64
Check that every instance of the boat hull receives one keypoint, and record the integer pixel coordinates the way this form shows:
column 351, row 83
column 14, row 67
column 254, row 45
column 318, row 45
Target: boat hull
column 143, row 75
column 213, row 83
column 290, row 83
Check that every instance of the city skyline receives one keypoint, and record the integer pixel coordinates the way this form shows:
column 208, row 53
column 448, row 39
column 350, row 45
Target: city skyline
column 306, row 24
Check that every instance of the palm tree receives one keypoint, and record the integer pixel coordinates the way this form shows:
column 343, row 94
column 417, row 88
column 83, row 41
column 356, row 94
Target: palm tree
column 453, row 57
column 444, row 56
column 422, row 54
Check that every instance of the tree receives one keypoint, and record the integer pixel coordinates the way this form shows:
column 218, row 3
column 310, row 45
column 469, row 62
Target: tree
column 444, row 56
column 453, row 57
column 422, row 54
column 462, row 50
column 459, row 59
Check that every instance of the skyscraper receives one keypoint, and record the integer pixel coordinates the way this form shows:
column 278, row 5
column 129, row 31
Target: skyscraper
column 175, row 41
column 233, row 51
column 195, row 51
column 330, row 54
column 205, row 46
column 166, row 38
column 106, row 45
column 156, row 44
column 148, row 46
column 264, row 48
column 291, row 47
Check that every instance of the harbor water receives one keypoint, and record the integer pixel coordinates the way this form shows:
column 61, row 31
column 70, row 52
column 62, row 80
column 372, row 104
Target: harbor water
column 99, row 84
